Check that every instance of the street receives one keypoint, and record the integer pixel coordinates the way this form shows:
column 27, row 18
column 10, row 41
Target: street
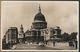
column 49, row 46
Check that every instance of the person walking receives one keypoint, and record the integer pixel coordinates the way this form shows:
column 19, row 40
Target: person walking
column 76, row 44
column 53, row 43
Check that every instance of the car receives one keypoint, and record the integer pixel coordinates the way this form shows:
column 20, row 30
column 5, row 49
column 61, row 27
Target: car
column 41, row 44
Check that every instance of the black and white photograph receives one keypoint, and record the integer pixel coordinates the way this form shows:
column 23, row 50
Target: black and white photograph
column 39, row 25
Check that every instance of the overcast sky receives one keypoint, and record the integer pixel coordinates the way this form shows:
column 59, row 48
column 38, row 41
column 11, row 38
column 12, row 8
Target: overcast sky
column 57, row 13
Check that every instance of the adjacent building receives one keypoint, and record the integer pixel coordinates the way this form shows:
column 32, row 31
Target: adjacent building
column 12, row 35
column 10, row 38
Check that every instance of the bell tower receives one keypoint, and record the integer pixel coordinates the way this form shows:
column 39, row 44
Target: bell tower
column 21, row 35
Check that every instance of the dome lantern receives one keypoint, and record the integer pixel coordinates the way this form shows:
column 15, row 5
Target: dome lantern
column 39, row 8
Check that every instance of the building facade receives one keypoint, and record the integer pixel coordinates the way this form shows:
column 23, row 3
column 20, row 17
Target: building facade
column 39, row 32
column 12, row 35
column 10, row 38
column 38, row 28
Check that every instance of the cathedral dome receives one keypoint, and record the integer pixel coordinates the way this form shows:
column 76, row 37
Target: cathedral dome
column 39, row 21
column 39, row 16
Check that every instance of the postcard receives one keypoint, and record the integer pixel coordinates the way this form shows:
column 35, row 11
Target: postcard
column 39, row 25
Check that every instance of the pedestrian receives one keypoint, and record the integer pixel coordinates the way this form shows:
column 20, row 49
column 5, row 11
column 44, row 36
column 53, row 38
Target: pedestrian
column 71, row 44
column 76, row 44
column 46, row 42
column 53, row 43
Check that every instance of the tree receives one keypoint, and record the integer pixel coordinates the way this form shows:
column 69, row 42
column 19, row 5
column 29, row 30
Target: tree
column 65, row 36
column 73, row 35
